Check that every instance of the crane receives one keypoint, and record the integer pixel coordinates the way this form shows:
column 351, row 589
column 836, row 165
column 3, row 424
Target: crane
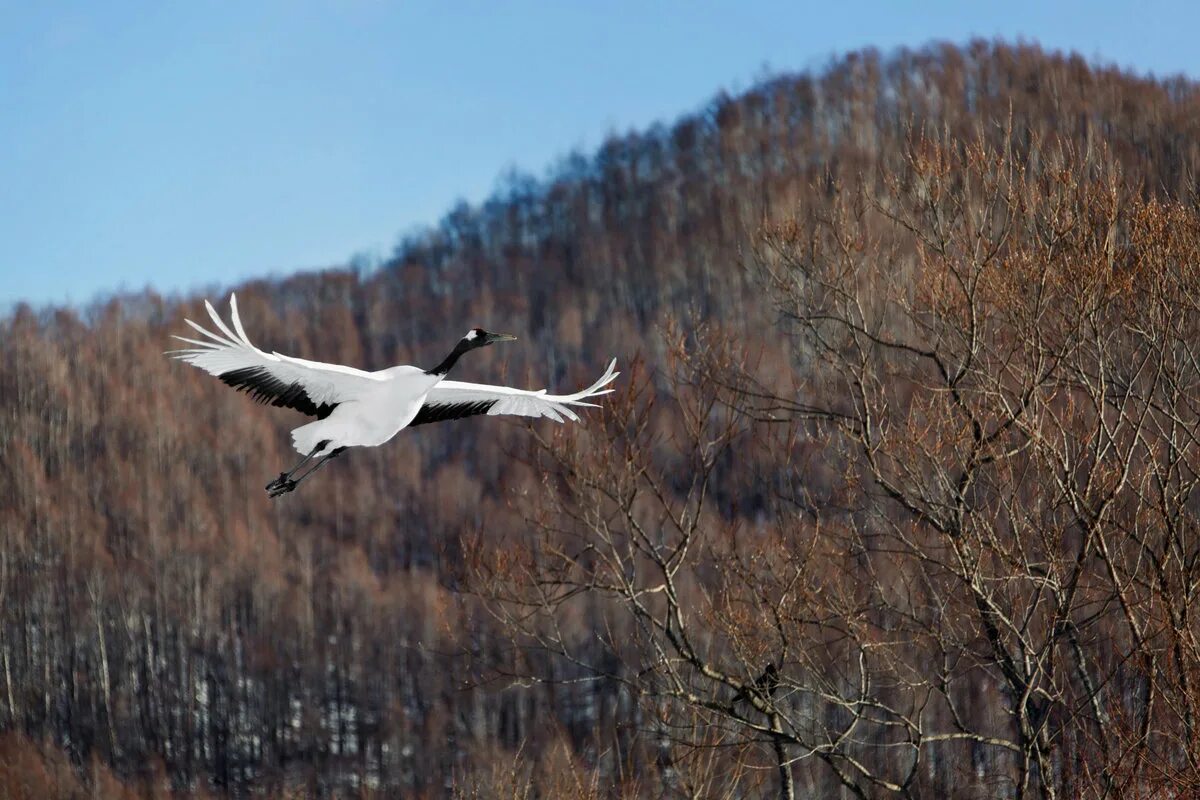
column 356, row 408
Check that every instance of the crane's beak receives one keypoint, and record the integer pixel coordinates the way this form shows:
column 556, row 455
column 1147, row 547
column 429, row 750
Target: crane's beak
column 492, row 338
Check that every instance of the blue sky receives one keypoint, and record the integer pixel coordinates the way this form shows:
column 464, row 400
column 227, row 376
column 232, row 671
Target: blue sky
column 185, row 145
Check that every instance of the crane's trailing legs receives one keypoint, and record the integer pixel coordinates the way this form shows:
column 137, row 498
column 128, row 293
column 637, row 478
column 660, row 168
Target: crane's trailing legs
column 332, row 455
column 285, row 483
column 284, row 476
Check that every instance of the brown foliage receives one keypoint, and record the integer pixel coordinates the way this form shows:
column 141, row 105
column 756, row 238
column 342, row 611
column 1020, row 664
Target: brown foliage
column 988, row 584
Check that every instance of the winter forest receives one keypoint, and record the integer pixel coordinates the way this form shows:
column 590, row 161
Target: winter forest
column 898, row 494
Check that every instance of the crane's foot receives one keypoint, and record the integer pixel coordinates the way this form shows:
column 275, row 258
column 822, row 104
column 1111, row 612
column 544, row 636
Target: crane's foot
column 281, row 485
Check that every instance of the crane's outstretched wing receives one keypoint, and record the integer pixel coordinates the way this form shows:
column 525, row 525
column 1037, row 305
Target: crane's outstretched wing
column 455, row 399
column 308, row 386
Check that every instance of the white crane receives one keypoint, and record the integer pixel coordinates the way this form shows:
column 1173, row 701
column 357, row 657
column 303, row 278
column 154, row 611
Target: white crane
column 354, row 408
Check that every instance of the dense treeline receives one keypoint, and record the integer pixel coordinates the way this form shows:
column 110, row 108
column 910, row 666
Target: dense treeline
column 164, row 628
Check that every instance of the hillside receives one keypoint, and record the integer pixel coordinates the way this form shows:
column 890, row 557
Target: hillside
column 164, row 628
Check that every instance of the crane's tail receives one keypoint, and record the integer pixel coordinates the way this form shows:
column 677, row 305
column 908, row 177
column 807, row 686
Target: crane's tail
column 306, row 438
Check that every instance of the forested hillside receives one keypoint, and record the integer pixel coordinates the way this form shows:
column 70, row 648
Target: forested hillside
column 896, row 495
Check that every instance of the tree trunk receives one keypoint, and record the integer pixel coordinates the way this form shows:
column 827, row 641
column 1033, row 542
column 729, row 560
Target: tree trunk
column 787, row 787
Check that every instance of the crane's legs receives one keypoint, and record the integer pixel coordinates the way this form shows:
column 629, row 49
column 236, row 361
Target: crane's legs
column 284, row 476
column 334, row 454
column 285, row 483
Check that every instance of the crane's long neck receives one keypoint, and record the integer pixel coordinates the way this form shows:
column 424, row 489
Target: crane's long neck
column 449, row 361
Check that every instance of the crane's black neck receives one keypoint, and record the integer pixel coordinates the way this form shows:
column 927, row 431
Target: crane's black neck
column 449, row 361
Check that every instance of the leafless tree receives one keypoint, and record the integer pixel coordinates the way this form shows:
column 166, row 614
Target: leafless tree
column 950, row 545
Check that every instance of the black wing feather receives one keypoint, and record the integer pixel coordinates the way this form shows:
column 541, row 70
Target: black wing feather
column 444, row 411
column 264, row 387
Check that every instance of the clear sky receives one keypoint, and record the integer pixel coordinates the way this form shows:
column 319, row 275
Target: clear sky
column 183, row 145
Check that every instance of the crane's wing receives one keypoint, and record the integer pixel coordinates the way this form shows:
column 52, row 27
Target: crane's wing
column 308, row 386
column 455, row 399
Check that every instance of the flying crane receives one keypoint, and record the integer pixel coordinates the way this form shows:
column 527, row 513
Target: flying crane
column 355, row 408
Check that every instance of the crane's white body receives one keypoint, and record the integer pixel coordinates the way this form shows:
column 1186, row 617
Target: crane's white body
column 356, row 408
column 375, row 416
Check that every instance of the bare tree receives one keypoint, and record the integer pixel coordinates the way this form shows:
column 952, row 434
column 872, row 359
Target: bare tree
column 998, row 353
column 951, row 544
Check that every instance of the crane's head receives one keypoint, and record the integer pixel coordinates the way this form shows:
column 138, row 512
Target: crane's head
column 478, row 337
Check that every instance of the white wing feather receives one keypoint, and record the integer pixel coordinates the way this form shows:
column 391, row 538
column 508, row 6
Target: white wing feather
column 520, row 402
column 232, row 351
